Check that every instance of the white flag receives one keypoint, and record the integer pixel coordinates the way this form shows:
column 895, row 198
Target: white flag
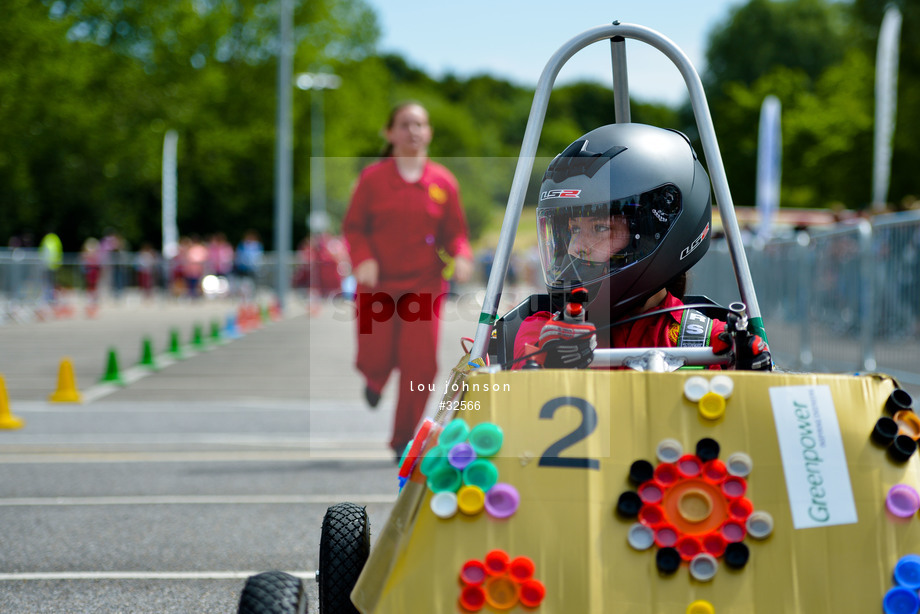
column 769, row 164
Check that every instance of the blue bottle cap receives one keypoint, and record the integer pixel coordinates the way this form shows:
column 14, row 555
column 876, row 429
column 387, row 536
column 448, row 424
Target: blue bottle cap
column 900, row 600
column 907, row 572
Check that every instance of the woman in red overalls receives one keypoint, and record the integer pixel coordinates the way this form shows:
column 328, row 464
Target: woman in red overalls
column 403, row 210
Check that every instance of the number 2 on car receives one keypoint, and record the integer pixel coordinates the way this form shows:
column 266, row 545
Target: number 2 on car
column 555, row 455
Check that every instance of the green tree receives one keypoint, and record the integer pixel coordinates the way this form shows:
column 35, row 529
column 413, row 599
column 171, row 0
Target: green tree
column 784, row 48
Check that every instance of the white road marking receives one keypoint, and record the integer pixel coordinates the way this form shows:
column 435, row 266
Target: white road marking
column 355, row 455
column 198, row 500
column 140, row 575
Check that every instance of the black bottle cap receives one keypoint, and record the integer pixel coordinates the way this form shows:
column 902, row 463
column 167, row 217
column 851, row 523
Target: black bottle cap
column 629, row 504
column 707, row 449
column 641, row 471
column 886, row 429
column 901, row 448
column 667, row 560
column 737, row 555
column 899, row 399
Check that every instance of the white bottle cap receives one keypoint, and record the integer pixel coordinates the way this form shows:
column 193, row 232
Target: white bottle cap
column 695, row 387
column 640, row 536
column 703, row 567
column 444, row 504
column 722, row 385
column 669, row 450
column 739, row 464
column 759, row 524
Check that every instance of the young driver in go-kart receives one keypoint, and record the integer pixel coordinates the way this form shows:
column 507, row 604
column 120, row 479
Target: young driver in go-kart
column 623, row 212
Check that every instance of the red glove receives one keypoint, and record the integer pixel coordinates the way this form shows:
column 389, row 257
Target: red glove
column 568, row 345
column 752, row 354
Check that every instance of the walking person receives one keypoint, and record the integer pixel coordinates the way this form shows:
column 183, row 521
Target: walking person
column 403, row 210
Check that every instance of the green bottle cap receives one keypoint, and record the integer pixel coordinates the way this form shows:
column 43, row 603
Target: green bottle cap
column 444, row 478
column 433, row 459
column 486, row 439
column 481, row 473
column 455, row 432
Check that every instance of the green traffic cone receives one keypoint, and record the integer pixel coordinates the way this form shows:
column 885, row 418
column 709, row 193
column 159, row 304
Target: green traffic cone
column 112, row 374
column 216, row 337
column 198, row 338
column 175, row 349
column 147, row 359
column 266, row 316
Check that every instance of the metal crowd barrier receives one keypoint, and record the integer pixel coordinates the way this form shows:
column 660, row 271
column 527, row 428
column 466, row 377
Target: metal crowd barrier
column 28, row 286
column 834, row 299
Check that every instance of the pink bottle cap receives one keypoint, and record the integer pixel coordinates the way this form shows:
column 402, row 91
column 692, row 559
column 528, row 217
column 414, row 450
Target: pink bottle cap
column 473, row 572
column 502, row 500
column 689, row 466
column 902, row 501
column 650, row 492
column 666, row 536
column 733, row 531
column 734, row 487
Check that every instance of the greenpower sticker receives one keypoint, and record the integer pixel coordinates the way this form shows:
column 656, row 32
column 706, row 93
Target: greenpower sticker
column 815, row 465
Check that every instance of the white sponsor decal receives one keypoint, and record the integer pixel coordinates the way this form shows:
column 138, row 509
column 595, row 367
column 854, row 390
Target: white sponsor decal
column 560, row 194
column 814, row 462
column 696, row 243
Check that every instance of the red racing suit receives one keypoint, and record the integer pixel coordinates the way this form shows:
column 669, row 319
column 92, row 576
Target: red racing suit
column 402, row 226
column 654, row 331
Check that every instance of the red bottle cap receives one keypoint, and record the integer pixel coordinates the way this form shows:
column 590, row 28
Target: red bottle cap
column 688, row 546
column 740, row 509
column 714, row 543
column 521, row 568
column 472, row 598
column 415, row 449
column 666, row 474
column 532, row 593
column 497, row 562
column 651, row 515
column 714, row 471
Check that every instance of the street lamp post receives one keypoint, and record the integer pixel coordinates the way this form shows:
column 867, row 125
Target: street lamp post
column 283, row 155
column 319, row 218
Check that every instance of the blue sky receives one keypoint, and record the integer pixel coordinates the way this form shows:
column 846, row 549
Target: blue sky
column 513, row 39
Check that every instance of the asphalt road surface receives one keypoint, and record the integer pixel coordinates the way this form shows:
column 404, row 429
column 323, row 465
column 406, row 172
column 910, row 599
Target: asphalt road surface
column 165, row 494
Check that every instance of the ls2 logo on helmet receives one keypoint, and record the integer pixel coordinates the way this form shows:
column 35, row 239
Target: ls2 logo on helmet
column 560, row 194
column 696, row 243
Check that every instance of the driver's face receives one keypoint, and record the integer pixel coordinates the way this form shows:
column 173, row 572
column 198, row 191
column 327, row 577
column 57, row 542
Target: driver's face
column 597, row 239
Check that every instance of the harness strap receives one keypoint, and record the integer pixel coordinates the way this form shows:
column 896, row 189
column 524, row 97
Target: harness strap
column 695, row 330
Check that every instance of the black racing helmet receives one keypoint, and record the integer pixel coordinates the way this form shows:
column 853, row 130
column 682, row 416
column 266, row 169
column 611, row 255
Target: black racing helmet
column 623, row 211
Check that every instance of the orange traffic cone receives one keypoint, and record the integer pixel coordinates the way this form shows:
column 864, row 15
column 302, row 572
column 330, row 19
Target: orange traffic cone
column 67, row 385
column 7, row 420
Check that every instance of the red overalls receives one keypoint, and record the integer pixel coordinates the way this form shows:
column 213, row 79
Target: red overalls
column 402, row 225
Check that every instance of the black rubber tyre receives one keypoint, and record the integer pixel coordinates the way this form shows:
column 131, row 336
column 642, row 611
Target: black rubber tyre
column 343, row 549
column 273, row 592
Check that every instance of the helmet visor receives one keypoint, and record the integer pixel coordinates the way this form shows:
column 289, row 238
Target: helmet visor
column 583, row 243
